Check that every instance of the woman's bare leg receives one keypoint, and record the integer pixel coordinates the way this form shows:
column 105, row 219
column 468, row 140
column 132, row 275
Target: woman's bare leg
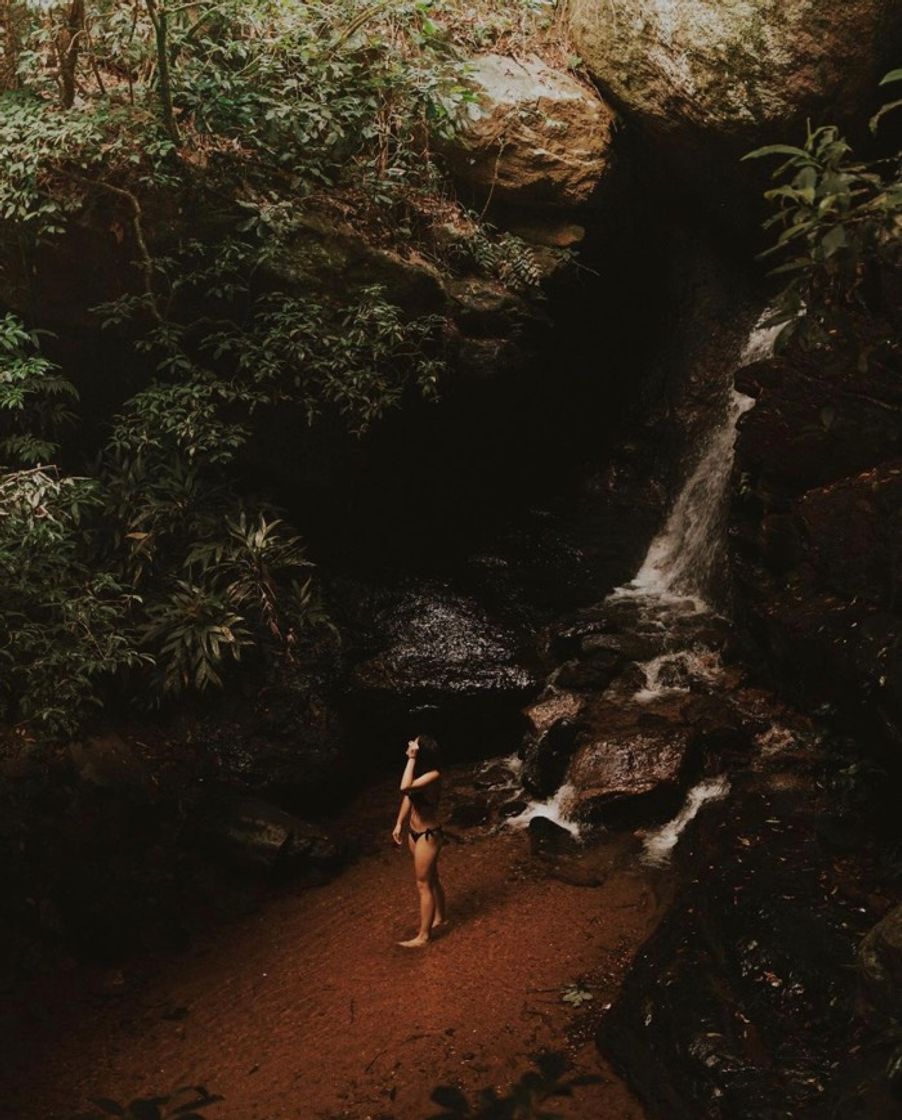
column 438, row 893
column 425, row 853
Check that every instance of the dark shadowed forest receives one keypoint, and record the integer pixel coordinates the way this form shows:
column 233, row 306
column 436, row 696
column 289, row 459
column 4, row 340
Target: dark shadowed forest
column 489, row 409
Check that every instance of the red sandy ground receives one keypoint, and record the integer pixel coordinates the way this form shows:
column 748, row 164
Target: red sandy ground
column 308, row 1009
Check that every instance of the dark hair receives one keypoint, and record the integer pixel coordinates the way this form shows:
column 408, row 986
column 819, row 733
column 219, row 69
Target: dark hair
column 428, row 756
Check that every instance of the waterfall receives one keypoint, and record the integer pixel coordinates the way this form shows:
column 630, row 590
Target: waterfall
column 683, row 558
column 658, row 844
column 667, row 603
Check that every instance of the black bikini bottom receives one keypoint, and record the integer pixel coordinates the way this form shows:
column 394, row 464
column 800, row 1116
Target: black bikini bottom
column 427, row 832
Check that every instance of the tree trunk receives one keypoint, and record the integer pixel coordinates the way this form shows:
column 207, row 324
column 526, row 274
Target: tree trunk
column 12, row 14
column 68, row 45
column 158, row 17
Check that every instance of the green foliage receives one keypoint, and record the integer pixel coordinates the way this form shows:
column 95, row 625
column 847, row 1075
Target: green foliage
column 65, row 624
column 840, row 237
column 526, row 1099
column 247, row 583
column 890, row 106
column 51, row 158
column 506, row 257
column 155, row 562
column 35, row 398
column 298, row 94
column 357, row 358
column 299, row 83
column 156, row 569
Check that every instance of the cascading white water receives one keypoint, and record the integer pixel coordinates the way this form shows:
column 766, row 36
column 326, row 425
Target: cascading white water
column 672, row 588
column 682, row 558
column 659, row 844
column 674, row 672
column 555, row 809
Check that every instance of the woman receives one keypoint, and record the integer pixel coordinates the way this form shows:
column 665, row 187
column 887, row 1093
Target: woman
column 421, row 787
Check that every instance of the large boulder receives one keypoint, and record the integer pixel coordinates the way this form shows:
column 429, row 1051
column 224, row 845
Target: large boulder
column 735, row 68
column 816, row 532
column 248, row 832
column 624, row 780
column 425, row 658
column 741, row 1004
column 533, row 135
column 438, row 642
column 550, row 742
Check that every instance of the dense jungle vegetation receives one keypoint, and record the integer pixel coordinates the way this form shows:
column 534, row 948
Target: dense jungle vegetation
column 838, row 221
column 292, row 266
column 132, row 555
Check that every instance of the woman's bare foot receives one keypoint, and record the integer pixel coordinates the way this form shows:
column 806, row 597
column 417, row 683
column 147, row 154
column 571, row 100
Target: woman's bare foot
column 415, row 942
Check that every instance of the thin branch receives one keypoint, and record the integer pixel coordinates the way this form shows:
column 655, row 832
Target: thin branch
column 158, row 17
column 147, row 265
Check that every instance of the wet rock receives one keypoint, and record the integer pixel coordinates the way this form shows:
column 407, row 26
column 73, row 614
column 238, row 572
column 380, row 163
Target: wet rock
column 812, row 425
column 546, row 838
column 880, row 963
column 497, row 776
column 719, row 729
column 737, row 71
column 533, row 136
column 108, row 762
column 251, row 833
column 815, row 531
column 619, row 648
column 550, row 710
column 441, row 641
column 469, row 814
column 622, row 779
column 513, row 808
column 550, row 742
column 565, row 641
column 742, row 1002
column 546, row 756
column 589, row 674
column 429, row 659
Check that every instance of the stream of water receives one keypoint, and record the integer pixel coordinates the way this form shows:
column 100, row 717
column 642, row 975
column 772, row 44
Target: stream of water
column 669, row 600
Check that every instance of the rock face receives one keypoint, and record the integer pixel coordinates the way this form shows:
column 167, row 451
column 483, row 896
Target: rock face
column 733, row 68
column 108, row 762
column 438, row 643
column 534, row 136
column 742, row 1002
column 639, row 776
column 426, row 658
column 880, row 963
column 550, row 742
column 282, row 744
column 250, row 833
column 817, row 534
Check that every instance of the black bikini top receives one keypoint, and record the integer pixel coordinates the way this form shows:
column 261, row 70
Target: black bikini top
column 429, row 793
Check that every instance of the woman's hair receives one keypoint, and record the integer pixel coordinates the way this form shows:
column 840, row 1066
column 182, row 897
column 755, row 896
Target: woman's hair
column 428, row 756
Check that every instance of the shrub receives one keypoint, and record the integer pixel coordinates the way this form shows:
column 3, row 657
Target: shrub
column 840, row 223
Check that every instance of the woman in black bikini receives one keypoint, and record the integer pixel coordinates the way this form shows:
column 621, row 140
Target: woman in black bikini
column 421, row 787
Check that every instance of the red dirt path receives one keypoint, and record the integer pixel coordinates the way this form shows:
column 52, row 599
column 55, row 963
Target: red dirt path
column 308, row 1010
